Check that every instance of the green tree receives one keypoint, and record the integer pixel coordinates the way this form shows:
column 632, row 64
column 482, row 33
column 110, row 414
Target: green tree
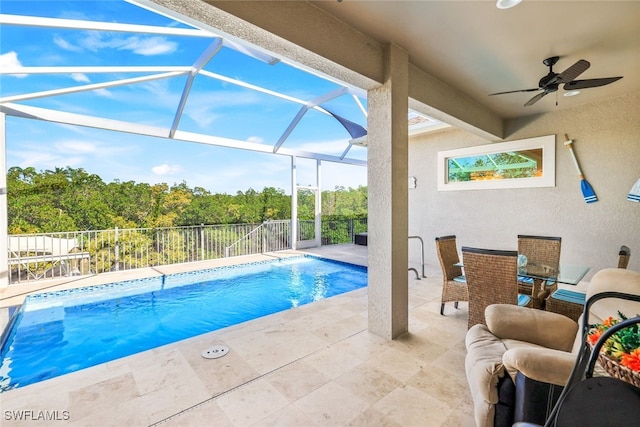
column 67, row 199
column 275, row 204
column 84, row 200
column 131, row 201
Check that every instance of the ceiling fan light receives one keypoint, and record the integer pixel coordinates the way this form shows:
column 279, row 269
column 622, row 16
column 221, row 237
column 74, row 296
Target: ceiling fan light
column 506, row 4
column 572, row 93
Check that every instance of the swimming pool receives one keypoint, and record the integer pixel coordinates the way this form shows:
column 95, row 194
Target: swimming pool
column 61, row 332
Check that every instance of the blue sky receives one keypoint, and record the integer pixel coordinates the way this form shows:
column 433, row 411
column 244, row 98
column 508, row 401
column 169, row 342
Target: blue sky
column 213, row 107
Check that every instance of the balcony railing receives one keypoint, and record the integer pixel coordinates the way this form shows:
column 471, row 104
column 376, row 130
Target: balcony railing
column 269, row 236
column 53, row 255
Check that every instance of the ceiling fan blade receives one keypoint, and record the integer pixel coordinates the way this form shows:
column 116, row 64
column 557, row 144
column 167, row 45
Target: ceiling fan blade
column 516, row 91
column 536, row 98
column 571, row 73
column 584, row 84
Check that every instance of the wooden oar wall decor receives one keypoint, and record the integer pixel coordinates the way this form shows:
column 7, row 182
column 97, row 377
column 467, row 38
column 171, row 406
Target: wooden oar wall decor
column 587, row 191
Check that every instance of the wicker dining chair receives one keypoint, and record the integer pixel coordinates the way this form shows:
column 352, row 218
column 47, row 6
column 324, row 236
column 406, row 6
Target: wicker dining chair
column 492, row 278
column 544, row 252
column 454, row 285
column 623, row 256
column 571, row 303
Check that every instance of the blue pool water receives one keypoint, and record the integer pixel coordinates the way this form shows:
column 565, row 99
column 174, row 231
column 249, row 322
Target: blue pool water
column 61, row 332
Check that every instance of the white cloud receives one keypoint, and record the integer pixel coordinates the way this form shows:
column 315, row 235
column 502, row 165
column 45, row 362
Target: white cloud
column 146, row 46
column 95, row 41
column 79, row 130
column 255, row 139
column 202, row 115
column 42, row 153
column 166, row 169
column 150, row 46
column 92, row 41
column 158, row 88
column 65, row 45
column 45, row 160
column 105, row 93
column 10, row 59
column 33, row 158
column 76, row 147
column 202, row 106
column 80, row 77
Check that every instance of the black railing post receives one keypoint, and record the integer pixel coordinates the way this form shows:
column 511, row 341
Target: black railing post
column 117, row 250
column 202, row 252
column 352, row 234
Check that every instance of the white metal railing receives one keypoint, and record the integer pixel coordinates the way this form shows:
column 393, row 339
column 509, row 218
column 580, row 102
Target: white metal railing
column 53, row 255
column 266, row 237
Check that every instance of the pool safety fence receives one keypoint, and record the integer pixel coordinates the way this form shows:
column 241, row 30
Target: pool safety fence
column 78, row 253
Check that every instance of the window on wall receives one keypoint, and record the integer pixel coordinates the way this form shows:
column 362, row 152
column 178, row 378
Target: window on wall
column 513, row 164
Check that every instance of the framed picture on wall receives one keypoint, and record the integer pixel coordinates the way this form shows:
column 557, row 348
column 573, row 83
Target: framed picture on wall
column 522, row 163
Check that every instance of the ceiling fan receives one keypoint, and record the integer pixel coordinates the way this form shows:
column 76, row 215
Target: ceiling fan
column 549, row 83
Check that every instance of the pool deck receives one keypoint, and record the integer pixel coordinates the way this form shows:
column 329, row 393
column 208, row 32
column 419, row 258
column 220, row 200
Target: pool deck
column 314, row 365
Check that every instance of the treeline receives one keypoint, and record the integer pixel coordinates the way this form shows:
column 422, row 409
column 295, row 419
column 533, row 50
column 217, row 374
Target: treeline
column 68, row 199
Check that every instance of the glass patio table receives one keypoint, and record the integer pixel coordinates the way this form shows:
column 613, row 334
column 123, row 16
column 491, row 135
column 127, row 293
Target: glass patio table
column 569, row 274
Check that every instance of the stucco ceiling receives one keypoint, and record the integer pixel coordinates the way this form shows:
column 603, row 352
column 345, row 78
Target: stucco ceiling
column 478, row 49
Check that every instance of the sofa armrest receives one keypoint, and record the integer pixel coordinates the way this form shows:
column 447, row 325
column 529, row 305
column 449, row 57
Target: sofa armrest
column 547, row 329
column 484, row 369
column 540, row 364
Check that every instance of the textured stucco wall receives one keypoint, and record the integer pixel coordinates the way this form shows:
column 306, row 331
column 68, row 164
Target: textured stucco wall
column 387, row 172
column 607, row 143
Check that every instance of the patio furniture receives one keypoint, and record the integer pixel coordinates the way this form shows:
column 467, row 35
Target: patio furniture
column 571, row 303
column 518, row 363
column 31, row 254
column 361, row 239
column 542, row 254
column 586, row 395
column 592, row 399
column 566, row 302
column 491, row 279
column 623, row 256
column 454, row 284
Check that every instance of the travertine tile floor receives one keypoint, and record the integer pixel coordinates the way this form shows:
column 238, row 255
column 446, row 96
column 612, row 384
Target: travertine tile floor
column 315, row 365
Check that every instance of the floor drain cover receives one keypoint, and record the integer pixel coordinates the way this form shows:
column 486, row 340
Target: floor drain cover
column 215, row 352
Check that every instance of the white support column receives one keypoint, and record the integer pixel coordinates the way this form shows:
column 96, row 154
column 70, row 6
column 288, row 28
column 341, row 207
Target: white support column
column 388, row 149
column 4, row 220
column 294, row 204
column 318, row 202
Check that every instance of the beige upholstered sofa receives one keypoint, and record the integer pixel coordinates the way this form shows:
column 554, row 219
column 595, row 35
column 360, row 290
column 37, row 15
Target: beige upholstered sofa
column 530, row 353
